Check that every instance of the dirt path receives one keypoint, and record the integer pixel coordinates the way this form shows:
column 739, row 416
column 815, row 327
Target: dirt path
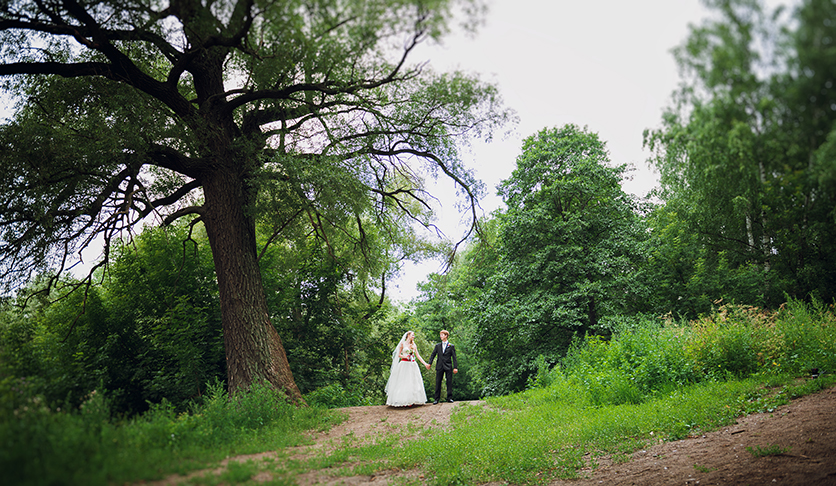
column 367, row 423
column 805, row 429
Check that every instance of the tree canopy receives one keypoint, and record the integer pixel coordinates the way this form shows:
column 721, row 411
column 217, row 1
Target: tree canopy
column 745, row 157
column 569, row 250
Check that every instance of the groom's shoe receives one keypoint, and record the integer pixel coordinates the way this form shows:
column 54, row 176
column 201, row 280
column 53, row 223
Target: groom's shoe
column 435, row 402
column 450, row 400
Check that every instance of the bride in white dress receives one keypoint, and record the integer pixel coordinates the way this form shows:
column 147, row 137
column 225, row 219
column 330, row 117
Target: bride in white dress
column 405, row 387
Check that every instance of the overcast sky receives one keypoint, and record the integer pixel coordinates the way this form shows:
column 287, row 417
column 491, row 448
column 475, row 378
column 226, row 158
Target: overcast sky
column 603, row 64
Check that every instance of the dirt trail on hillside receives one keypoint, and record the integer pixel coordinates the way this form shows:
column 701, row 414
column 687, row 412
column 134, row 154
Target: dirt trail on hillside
column 805, row 429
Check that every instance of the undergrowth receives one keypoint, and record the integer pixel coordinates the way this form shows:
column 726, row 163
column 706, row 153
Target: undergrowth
column 41, row 445
column 652, row 380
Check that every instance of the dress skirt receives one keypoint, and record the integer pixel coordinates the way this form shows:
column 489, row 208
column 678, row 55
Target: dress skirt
column 405, row 386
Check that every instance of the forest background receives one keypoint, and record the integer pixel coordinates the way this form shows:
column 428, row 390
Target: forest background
column 745, row 214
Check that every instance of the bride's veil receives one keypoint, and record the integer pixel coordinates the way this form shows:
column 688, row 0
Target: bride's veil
column 395, row 359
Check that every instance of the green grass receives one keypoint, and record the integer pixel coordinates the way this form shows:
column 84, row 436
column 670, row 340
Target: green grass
column 656, row 381
column 653, row 381
column 537, row 436
column 769, row 450
column 39, row 445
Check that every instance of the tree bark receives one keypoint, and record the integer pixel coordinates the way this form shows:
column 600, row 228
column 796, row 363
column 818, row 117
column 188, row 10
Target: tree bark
column 254, row 350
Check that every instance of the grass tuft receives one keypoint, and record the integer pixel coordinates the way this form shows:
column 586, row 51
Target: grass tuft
column 769, row 450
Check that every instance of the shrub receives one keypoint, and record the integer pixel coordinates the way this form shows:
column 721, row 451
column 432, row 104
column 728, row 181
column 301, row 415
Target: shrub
column 544, row 376
column 336, row 396
column 45, row 446
column 647, row 356
column 808, row 334
column 41, row 445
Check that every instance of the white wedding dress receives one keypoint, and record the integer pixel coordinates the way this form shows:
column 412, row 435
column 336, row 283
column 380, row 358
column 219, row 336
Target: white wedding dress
column 406, row 385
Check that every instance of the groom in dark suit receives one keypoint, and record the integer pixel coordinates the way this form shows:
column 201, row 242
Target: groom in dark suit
column 447, row 365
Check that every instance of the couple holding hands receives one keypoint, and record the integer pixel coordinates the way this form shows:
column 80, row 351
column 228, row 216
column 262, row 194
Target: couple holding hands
column 405, row 387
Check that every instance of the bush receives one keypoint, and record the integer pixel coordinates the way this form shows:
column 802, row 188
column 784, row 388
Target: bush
column 544, row 376
column 730, row 341
column 808, row 334
column 649, row 357
column 45, row 446
column 40, row 445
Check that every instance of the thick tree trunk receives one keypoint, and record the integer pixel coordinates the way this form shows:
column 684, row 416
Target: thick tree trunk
column 253, row 348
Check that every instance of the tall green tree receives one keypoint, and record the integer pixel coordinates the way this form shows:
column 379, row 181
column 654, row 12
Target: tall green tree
column 570, row 246
column 743, row 152
column 685, row 277
column 806, row 215
column 131, row 109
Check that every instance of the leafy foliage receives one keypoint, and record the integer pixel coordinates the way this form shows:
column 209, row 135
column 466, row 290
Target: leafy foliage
column 450, row 301
column 569, row 249
column 335, row 396
column 42, row 445
column 151, row 331
column 655, row 356
column 651, row 382
column 654, row 380
column 744, row 161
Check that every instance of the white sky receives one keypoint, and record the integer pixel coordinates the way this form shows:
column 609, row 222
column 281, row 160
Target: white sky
column 603, row 64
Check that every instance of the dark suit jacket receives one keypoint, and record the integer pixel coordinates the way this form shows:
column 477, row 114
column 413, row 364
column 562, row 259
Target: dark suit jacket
column 446, row 360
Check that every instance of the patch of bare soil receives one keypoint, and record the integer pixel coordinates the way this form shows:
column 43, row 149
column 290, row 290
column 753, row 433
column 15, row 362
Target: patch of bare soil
column 805, row 430
column 365, row 425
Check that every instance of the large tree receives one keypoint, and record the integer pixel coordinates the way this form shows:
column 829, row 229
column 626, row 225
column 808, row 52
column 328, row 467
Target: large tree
column 569, row 246
column 745, row 154
column 221, row 111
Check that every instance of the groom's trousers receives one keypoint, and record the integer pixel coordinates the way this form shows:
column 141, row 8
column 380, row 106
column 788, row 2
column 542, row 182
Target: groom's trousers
column 439, row 374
